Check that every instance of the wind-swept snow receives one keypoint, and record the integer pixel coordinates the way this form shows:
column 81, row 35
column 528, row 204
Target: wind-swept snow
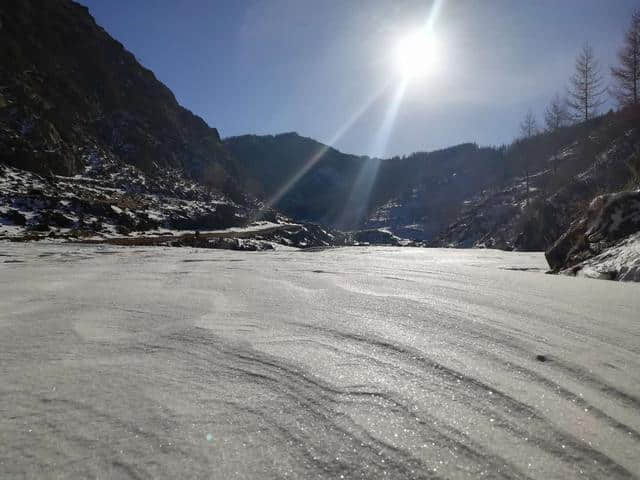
column 350, row 363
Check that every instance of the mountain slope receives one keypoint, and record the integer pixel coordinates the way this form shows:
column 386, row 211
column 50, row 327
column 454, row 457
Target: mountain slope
column 267, row 163
column 67, row 88
column 532, row 212
column 91, row 143
column 418, row 195
column 345, row 190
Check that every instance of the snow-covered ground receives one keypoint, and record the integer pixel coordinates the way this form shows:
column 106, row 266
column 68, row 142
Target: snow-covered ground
column 347, row 363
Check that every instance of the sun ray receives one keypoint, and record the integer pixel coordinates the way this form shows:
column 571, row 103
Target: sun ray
column 358, row 199
column 381, row 139
column 362, row 188
column 291, row 181
column 433, row 15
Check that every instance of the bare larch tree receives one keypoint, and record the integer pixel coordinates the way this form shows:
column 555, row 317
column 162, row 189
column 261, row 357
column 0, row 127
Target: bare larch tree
column 586, row 88
column 529, row 125
column 627, row 75
column 528, row 128
column 556, row 115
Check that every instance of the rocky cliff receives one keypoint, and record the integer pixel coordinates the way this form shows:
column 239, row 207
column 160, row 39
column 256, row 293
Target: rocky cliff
column 91, row 142
column 67, row 89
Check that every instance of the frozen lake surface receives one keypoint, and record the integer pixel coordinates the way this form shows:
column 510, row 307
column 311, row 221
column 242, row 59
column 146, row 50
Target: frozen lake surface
column 365, row 363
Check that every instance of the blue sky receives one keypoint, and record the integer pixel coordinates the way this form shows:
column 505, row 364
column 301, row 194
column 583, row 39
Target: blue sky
column 270, row 66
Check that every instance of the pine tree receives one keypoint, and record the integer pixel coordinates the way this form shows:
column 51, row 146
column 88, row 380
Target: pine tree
column 586, row 89
column 627, row 75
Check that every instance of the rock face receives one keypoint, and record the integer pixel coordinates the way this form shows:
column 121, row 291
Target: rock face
column 609, row 220
column 69, row 90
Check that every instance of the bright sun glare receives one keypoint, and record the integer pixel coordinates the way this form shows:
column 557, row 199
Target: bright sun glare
column 417, row 55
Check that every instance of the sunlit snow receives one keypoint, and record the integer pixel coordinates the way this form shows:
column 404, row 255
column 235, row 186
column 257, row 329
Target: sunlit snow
column 356, row 362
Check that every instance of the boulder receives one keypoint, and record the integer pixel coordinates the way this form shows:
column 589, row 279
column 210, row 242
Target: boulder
column 15, row 217
column 620, row 262
column 537, row 228
column 609, row 219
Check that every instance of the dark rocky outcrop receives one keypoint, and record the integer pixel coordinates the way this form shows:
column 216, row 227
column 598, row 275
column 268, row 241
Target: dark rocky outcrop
column 376, row 237
column 67, row 89
column 609, row 219
column 14, row 217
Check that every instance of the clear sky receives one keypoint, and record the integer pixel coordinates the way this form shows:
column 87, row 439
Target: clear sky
column 313, row 66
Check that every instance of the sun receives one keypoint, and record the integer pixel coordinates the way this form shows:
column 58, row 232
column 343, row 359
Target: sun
column 417, row 55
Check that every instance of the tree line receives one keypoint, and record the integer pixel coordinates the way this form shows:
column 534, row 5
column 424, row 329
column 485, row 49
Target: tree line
column 587, row 91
